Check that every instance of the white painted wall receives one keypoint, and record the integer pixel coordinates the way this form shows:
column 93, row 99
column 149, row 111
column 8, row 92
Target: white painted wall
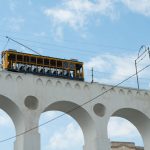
column 25, row 96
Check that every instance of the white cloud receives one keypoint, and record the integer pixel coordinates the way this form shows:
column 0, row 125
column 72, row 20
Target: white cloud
column 113, row 69
column 118, row 67
column 77, row 13
column 49, row 115
column 5, row 119
column 139, row 6
column 46, row 116
column 58, row 33
column 121, row 128
column 64, row 139
column 13, row 23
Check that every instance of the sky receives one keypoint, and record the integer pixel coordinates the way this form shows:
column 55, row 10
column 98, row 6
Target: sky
column 104, row 34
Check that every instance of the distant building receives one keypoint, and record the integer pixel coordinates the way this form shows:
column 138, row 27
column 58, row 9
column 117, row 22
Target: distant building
column 125, row 146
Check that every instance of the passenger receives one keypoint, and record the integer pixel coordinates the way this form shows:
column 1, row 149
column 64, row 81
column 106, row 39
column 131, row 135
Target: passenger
column 67, row 74
column 60, row 74
column 28, row 69
column 35, row 70
column 41, row 71
column 21, row 68
column 55, row 73
column 48, row 72
column 71, row 75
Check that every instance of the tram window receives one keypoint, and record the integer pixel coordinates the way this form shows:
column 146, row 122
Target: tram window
column 72, row 66
column 12, row 57
column 65, row 65
column 26, row 58
column 59, row 64
column 53, row 63
column 19, row 57
column 33, row 59
column 78, row 66
column 46, row 61
column 39, row 61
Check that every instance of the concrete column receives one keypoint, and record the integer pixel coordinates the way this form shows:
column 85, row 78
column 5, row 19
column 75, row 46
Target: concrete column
column 28, row 141
column 99, row 143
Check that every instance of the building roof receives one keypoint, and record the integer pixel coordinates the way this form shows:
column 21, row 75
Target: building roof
column 128, row 145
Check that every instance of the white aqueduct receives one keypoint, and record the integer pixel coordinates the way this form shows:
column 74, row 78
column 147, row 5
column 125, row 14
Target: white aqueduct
column 24, row 97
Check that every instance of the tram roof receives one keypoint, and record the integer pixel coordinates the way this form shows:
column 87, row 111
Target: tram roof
column 29, row 54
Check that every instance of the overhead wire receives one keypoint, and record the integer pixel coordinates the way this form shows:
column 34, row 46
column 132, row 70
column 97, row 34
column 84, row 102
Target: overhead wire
column 9, row 38
column 73, row 41
column 6, row 44
column 44, row 48
column 62, row 46
column 75, row 108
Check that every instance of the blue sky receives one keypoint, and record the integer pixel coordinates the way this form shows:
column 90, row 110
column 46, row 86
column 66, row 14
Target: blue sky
column 104, row 34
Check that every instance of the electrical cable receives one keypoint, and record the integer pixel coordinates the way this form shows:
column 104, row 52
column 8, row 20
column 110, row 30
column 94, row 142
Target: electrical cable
column 66, row 47
column 72, row 41
column 75, row 108
column 62, row 46
column 6, row 44
column 22, row 45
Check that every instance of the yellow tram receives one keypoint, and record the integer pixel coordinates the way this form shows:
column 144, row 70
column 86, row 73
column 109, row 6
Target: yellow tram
column 42, row 65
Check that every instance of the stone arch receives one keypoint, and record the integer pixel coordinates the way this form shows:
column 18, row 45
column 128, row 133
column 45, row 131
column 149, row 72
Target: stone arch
column 86, row 87
column 8, row 77
column 112, row 90
column 139, row 119
column 19, row 79
column 68, row 85
column 121, row 91
column 146, row 94
column 13, row 111
column 129, row 92
column 77, row 86
column 39, row 82
column 58, row 84
column 49, row 83
column 81, row 116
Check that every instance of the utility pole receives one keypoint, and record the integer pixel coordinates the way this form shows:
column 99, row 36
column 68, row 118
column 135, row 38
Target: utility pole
column 137, row 78
column 140, row 58
column 92, row 76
